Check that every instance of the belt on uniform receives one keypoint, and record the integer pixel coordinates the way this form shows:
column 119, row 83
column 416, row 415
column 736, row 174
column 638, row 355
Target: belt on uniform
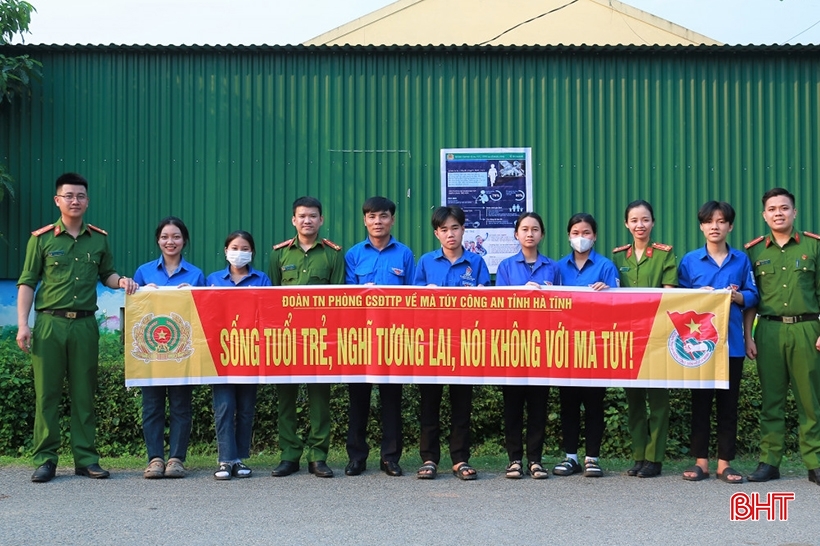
column 67, row 314
column 790, row 320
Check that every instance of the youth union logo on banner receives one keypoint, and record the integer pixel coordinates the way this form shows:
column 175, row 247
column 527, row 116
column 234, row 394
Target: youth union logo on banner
column 694, row 338
column 159, row 338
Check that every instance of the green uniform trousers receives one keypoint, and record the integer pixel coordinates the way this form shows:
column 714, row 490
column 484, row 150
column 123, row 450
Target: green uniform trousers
column 318, row 439
column 648, row 432
column 65, row 348
column 786, row 354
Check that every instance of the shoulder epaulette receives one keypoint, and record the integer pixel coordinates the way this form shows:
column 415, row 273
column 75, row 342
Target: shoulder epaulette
column 812, row 235
column 42, row 230
column 661, row 246
column 753, row 242
column 283, row 244
column 98, row 230
column 331, row 244
column 620, row 248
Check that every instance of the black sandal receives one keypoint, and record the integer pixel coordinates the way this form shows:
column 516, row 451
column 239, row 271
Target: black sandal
column 465, row 472
column 515, row 470
column 538, row 472
column 427, row 471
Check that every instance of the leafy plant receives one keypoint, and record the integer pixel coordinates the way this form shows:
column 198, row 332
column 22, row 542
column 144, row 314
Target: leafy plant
column 119, row 410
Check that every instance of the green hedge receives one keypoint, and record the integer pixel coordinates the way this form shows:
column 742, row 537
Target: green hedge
column 119, row 430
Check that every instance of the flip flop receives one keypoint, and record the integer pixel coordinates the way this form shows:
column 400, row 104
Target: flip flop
column 698, row 472
column 729, row 471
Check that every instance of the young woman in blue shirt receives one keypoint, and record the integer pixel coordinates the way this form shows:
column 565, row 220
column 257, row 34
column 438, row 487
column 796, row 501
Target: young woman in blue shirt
column 170, row 269
column 527, row 268
column 583, row 267
column 234, row 403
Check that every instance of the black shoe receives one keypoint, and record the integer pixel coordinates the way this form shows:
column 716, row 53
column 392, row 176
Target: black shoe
column 92, row 471
column 320, row 469
column 285, row 468
column 650, row 470
column 390, row 468
column 636, row 468
column 45, row 472
column 764, row 472
column 354, row 468
column 814, row 476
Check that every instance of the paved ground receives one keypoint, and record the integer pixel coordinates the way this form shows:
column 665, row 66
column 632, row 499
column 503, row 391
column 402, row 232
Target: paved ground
column 376, row 509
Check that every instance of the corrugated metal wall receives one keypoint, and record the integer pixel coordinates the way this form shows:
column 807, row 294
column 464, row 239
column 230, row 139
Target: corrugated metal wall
column 227, row 137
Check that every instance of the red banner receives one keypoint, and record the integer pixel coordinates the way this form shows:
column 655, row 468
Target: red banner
column 343, row 334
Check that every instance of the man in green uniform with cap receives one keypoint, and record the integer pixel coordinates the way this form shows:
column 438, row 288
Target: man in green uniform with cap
column 786, row 343
column 305, row 259
column 65, row 258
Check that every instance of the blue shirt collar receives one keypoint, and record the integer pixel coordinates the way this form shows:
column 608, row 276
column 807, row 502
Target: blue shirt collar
column 251, row 272
column 540, row 259
column 367, row 243
column 570, row 258
column 439, row 255
column 702, row 254
column 183, row 265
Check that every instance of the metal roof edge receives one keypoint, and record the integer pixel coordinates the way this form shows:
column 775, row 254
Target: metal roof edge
column 701, row 48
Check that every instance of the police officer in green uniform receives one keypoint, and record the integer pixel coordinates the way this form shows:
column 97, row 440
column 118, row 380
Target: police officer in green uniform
column 647, row 264
column 305, row 259
column 786, row 266
column 66, row 258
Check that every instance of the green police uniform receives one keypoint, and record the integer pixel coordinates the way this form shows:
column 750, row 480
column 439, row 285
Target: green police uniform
column 323, row 263
column 67, row 270
column 788, row 278
column 656, row 268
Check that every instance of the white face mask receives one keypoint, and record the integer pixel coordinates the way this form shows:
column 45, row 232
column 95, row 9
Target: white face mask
column 581, row 244
column 238, row 258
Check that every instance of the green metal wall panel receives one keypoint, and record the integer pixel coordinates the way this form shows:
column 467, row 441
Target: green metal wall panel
column 228, row 137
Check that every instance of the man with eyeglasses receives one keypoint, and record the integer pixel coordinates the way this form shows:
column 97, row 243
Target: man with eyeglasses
column 65, row 258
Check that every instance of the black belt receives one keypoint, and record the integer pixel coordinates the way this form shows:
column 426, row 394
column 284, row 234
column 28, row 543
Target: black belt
column 67, row 314
column 790, row 320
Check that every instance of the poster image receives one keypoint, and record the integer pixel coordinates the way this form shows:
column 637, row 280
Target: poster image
column 493, row 186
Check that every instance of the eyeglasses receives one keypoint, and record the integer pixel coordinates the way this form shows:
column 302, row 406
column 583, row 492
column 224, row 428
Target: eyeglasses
column 69, row 197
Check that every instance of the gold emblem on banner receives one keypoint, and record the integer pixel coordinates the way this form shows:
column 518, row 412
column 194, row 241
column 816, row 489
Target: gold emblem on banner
column 161, row 338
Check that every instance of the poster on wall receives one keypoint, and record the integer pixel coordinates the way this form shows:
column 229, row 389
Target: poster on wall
column 493, row 186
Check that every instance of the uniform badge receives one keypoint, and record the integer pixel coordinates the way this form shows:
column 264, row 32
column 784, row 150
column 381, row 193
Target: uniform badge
column 161, row 338
column 289, row 267
column 468, row 277
column 397, row 271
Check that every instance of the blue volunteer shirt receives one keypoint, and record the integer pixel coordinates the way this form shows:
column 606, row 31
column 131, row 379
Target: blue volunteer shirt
column 435, row 268
column 223, row 278
column 596, row 269
column 515, row 271
column 155, row 272
column 392, row 265
column 697, row 269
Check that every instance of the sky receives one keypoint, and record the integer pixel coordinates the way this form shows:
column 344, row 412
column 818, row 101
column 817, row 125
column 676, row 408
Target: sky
column 248, row 22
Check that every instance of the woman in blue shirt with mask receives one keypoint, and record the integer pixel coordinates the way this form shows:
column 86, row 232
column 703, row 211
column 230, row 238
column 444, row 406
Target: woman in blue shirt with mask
column 583, row 267
column 170, row 269
column 235, row 404
column 527, row 268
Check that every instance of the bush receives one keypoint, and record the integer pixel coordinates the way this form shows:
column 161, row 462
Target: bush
column 119, row 430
